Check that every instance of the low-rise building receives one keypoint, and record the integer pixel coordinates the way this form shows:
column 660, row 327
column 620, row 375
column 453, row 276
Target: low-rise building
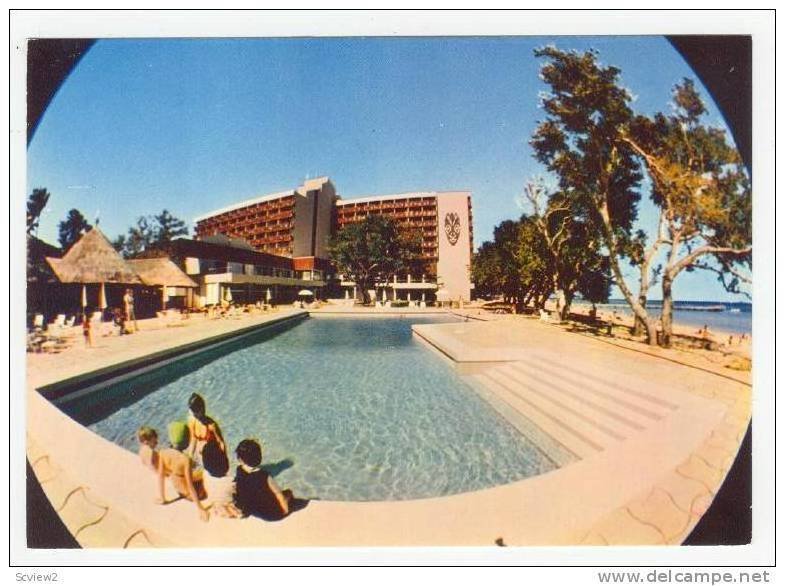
column 230, row 270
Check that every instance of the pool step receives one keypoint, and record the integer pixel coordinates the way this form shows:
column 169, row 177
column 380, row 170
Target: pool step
column 583, row 411
column 614, row 405
column 552, row 424
column 646, row 394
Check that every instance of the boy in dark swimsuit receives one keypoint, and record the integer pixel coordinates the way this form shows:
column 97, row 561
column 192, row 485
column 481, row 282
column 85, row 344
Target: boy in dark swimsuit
column 257, row 493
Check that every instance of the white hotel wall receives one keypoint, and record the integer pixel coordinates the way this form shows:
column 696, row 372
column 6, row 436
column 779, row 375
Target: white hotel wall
column 452, row 269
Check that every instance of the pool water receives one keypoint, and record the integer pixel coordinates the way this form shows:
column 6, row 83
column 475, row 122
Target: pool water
column 345, row 409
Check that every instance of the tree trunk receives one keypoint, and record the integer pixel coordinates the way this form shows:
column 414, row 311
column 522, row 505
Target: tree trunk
column 564, row 312
column 640, row 325
column 362, row 285
column 667, row 309
column 638, row 310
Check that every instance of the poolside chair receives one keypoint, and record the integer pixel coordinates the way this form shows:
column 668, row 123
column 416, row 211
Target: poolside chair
column 38, row 322
column 58, row 322
column 70, row 321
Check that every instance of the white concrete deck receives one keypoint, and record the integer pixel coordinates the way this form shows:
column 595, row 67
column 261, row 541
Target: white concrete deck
column 650, row 443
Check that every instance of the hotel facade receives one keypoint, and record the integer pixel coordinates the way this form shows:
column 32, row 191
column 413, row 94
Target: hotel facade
column 295, row 227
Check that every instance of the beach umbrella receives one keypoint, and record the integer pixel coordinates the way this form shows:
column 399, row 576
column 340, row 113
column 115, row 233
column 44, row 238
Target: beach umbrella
column 228, row 294
column 423, row 297
column 384, row 295
column 84, row 296
column 102, row 297
column 164, row 297
column 268, row 296
column 305, row 293
column 346, row 294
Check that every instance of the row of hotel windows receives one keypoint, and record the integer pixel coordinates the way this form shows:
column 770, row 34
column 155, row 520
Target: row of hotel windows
column 393, row 204
column 212, row 267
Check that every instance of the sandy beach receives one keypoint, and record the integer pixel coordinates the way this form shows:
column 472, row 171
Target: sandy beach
column 727, row 349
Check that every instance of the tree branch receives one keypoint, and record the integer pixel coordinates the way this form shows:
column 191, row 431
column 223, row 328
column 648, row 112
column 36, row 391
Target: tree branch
column 690, row 259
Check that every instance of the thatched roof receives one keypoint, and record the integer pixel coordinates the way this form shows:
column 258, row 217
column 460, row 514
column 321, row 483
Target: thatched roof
column 93, row 260
column 160, row 271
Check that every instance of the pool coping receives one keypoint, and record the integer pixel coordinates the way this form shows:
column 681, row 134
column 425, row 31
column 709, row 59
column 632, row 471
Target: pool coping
column 55, row 443
column 107, row 374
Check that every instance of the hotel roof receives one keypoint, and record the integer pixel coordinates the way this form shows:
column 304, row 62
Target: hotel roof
column 370, row 198
column 263, row 198
column 245, row 204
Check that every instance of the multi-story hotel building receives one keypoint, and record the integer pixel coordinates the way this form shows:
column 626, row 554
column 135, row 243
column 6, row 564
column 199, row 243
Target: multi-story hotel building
column 297, row 224
column 443, row 220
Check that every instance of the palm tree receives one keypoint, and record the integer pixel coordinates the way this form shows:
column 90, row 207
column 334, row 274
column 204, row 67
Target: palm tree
column 36, row 203
column 72, row 228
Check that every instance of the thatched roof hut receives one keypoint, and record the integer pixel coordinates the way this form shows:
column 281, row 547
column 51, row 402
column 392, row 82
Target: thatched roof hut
column 93, row 260
column 161, row 272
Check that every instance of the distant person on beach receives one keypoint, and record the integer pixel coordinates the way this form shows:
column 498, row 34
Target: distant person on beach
column 218, row 483
column 257, row 493
column 202, row 427
column 87, row 329
column 175, row 465
column 128, row 306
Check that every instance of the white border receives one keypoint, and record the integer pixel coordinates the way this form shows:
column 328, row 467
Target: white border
column 215, row 24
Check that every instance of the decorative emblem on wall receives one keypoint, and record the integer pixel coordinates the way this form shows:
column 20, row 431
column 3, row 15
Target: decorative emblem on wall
column 452, row 227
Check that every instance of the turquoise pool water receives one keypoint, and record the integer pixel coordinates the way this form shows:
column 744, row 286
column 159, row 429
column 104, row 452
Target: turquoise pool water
column 345, row 408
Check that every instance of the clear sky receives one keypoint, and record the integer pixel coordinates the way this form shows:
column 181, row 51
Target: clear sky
column 195, row 125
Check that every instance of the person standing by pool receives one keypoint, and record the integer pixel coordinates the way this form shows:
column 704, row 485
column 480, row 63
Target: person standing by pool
column 202, row 428
column 87, row 329
column 128, row 306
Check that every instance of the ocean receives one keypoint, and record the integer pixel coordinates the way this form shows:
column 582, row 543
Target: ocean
column 736, row 316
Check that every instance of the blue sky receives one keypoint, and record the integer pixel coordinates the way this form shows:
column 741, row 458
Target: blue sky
column 194, row 125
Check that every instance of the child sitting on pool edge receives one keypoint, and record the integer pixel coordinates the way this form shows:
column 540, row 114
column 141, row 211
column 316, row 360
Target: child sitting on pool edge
column 202, row 428
column 257, row 492
column 218, row 484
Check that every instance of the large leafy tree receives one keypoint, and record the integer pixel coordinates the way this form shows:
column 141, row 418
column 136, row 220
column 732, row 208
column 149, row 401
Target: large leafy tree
column 703, row 192
column 72, row 228
column 371, row 251
column 515, row 264
column 495, row 268
column 569, row 246
column 580, row 142
column 140, row 237
column 149, row 231
column 36, row 203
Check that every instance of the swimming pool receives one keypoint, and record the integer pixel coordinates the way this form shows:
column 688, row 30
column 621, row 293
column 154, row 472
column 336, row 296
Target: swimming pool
column 345, row 409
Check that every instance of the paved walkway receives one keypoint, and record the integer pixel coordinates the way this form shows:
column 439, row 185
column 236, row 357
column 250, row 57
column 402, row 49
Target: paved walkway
column 638, row 468
column 593, row 401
